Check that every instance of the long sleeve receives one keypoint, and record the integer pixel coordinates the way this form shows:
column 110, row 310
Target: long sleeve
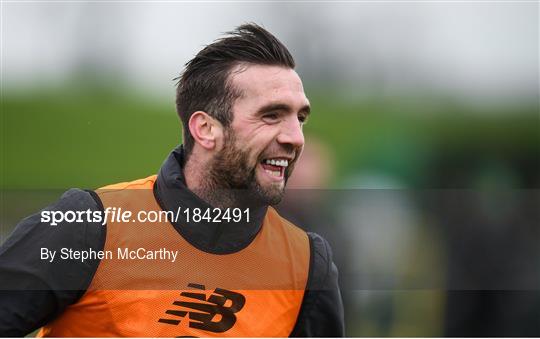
column 34, row 291
column 321, row 314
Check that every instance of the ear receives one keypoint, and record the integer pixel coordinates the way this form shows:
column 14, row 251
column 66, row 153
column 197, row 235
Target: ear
column 205, row 130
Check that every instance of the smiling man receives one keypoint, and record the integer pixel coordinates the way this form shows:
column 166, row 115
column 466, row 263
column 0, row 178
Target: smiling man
column 241, row 269
column 256, row 149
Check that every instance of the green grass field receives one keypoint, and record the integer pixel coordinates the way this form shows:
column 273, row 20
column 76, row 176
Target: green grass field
column 89, row 137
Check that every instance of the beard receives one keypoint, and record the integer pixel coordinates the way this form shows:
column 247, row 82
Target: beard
column 232, row 180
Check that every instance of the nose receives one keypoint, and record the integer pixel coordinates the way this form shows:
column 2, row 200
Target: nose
column 291, row 133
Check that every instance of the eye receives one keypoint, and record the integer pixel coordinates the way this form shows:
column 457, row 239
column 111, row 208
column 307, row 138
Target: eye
column 302, row 117
column 271, row 117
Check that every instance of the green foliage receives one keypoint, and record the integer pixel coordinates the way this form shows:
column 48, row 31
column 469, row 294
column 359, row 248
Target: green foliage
column 83, row 138
column 89, row 137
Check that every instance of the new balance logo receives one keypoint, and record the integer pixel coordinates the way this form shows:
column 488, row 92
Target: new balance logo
column 207, row 314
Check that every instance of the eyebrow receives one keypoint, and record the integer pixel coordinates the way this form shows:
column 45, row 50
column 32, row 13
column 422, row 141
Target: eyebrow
column 282, row 107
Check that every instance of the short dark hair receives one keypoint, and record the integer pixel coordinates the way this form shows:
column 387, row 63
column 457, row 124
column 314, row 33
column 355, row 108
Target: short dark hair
column 204, row 84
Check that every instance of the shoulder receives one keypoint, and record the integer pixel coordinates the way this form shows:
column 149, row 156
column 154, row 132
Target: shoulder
column 147, row 182
column 39, row 224
column 291, row 229
column 47, row 229
column 127, row 192
column 75, row 199
column 321, row 262
column 320, row 246
column 50, row 225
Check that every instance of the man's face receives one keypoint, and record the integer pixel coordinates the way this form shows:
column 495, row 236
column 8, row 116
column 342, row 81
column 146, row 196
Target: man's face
column 265, row 137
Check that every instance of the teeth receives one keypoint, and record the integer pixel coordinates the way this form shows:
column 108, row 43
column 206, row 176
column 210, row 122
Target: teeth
column 282, row 163
column 274, row 173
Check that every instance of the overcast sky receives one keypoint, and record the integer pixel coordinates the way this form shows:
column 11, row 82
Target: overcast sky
column 486, row 50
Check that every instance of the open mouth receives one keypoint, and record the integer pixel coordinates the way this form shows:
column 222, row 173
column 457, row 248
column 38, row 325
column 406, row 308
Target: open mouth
column 275, row 167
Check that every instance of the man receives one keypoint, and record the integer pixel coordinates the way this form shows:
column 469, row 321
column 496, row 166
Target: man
column 202, row 272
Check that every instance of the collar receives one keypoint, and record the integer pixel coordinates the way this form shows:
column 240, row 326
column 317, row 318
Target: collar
column 223, row 237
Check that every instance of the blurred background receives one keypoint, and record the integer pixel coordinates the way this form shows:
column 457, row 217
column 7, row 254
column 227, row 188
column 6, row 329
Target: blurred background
column 422, row 163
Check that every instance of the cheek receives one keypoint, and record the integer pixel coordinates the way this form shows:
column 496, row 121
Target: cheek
column 259, row 141
column 254, row 137
column 250, row 148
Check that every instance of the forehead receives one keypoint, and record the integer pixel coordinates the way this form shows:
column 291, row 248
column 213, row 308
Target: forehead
column 259, row 84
